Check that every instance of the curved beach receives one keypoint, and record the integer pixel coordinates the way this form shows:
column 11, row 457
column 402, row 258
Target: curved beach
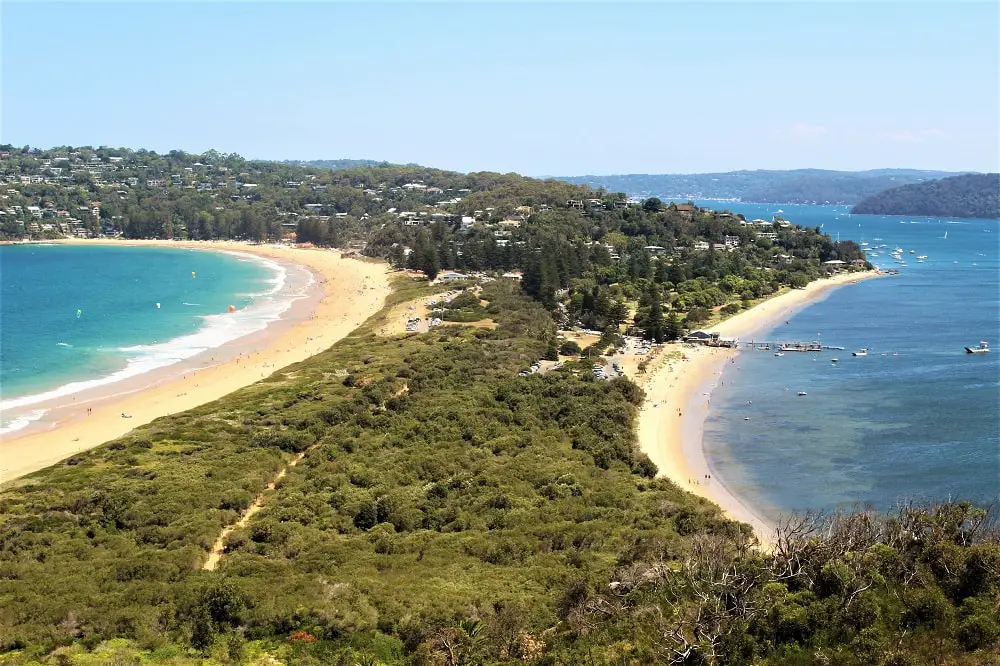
column 679, row 393
column 344, row 293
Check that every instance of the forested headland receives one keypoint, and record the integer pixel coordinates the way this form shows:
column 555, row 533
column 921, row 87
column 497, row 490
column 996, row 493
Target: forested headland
column 447, row 507
column 974, row 195
column 796, row 186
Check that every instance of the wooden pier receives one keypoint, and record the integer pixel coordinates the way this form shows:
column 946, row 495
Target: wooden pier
column 784, row 346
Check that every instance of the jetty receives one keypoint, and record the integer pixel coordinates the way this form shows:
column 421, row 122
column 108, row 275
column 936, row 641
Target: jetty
column 784, row 346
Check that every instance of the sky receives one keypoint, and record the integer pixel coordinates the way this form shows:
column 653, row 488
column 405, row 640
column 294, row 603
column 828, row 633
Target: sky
column 540, row 89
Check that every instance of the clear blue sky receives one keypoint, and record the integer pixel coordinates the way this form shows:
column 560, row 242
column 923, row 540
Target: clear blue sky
column 542, row 89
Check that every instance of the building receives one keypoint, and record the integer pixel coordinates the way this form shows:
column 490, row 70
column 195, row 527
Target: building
column 732, row 241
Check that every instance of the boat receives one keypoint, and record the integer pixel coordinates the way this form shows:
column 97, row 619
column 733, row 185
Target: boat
column 834, row 360
column 779, row 353
column 981, row 349
column 913, row 251
column 921, row 256
column 860, row 352
column 803, row 393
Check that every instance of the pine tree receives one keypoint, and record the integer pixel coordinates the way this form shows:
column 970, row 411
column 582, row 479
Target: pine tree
column 672, row 328
column 654, row 328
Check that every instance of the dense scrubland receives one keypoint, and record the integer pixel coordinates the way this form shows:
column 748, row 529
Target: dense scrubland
column 450, row 511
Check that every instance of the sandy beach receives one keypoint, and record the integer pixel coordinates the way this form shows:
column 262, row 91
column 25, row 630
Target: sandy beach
column 679, row 393
column 345, row 293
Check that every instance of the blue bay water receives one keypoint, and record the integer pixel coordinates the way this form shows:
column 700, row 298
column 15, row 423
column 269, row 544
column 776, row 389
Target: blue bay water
column 917, row 418
column 46, row 346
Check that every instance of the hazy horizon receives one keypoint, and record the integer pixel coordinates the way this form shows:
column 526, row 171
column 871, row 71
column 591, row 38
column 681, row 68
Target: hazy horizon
column 569, row 89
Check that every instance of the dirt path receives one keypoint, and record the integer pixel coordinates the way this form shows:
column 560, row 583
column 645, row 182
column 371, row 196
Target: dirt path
column 220, row 544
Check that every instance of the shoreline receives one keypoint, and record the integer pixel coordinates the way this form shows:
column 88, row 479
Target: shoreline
column 679, row 393
column 329, row 311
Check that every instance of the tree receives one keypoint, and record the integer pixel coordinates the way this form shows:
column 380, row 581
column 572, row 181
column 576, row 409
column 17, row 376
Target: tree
column 672, row 328
column 653, row 325
column 652, row 205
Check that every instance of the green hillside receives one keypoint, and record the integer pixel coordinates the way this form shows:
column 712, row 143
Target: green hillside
column 801, row 186
column 976, row 195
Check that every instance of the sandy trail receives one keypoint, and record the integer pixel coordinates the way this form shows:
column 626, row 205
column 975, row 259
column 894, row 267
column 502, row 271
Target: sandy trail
column 219, row 547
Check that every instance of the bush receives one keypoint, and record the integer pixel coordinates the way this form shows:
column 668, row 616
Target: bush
column 731, row 309
column 569, row 348
column 979, row 631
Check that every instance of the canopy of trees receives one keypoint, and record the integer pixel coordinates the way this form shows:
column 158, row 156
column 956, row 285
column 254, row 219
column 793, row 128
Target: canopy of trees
column 975, row 195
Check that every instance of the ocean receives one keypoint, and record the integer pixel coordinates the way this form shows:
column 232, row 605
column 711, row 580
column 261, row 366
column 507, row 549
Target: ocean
column 76, row 317
column 916, row 419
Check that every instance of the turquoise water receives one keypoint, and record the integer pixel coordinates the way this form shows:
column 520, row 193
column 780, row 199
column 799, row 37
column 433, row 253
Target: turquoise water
column 917, row 418
column 75, row 317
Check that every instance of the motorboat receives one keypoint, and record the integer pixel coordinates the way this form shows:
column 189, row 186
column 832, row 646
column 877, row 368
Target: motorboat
column 860, row 352
column 803, row 393
column 983, row 348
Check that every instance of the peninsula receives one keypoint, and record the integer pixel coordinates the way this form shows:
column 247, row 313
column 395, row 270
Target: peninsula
column 479, row 462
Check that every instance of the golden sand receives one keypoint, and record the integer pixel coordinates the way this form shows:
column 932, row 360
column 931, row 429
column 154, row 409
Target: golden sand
column 679, row 392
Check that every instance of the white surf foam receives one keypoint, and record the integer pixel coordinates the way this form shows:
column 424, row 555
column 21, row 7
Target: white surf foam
column 22, row 421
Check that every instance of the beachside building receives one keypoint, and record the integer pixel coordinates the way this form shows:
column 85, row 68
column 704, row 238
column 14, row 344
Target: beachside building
column 452, row 276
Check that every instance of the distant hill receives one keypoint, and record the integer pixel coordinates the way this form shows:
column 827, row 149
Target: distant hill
column 796, row 186
column 974, row 195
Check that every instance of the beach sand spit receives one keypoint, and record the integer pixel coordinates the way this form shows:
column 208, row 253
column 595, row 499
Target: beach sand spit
column 678, row 394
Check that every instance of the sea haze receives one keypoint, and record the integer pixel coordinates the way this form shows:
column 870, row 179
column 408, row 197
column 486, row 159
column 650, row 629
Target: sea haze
column 917, row 418
column 77, row 317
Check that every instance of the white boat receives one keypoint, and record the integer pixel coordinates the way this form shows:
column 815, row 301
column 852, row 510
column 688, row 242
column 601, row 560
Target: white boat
column 981, row 349
column 779, row 354
column 834, row 360
column 921, row 256
column 860, row 352
column 803, row 393
column 913, row 251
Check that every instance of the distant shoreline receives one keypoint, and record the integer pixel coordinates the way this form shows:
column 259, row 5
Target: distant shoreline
column 344, row 295
column 671, row 421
